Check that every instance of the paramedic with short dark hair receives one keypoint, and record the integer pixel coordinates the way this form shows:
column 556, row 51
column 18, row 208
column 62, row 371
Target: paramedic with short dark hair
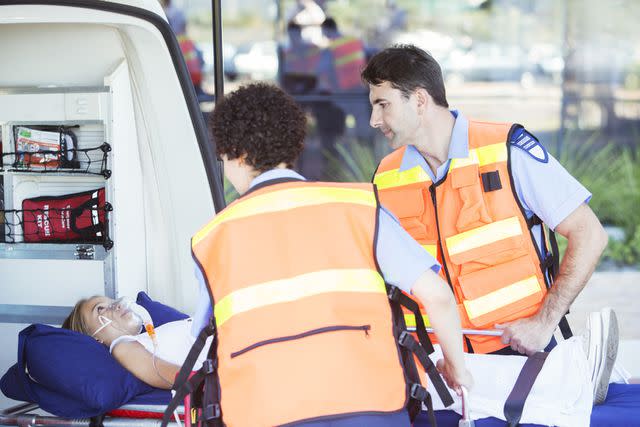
column 475, row 194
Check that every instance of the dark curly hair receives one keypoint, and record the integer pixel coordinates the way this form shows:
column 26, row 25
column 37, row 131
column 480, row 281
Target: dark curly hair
column 261, row 122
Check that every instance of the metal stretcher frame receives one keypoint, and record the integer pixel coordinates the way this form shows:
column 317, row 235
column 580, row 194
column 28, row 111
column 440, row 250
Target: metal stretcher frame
column 20, row 416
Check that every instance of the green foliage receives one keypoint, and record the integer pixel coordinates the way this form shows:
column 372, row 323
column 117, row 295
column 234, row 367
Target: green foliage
column 354, row 162
column 609, row 173
column 625, row 252
column 230, row 193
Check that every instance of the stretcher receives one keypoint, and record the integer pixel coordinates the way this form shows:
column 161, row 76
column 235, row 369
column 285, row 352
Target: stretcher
column 622, row 408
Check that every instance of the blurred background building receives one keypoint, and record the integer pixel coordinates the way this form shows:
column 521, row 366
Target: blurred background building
column 568, row 70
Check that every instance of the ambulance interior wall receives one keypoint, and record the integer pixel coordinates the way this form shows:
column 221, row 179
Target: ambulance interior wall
column 51, row 64
column 72, row 57
column 159, row 186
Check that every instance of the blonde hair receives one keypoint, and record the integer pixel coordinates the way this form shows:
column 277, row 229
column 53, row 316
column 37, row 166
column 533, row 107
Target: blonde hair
column 75, row 321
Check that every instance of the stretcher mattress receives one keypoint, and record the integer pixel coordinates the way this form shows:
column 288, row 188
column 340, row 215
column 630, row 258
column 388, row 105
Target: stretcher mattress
column 622, row 408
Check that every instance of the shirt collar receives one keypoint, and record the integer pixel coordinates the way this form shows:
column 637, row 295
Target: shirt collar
column 275, row 174
column 458, row 147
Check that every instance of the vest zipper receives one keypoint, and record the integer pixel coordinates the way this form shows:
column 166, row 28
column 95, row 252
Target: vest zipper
column 365, row 328
column 432, row 190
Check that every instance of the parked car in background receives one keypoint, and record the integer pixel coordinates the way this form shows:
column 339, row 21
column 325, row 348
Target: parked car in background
column 228, row 64
column 488, row 62
column 604, row 62
column 257, row 61
column 547, row 61
column 439, row 45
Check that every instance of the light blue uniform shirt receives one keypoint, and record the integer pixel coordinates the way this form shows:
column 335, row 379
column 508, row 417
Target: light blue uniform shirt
column 544, row 189
column 400, row 258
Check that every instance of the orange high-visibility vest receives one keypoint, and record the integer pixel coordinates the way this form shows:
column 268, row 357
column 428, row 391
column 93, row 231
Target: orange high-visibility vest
column 303, row 321
column 472, row 222
column 190, row 55
column 349, row 60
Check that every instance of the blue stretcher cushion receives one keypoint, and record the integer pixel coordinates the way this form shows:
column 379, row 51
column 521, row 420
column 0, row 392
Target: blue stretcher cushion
column 159, row 312
column 71, row 374
column 622, row 408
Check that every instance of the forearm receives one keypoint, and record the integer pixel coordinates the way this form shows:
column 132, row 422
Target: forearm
column 163, row 374
column 140, row 362
column 585, row 245
column 440, row 305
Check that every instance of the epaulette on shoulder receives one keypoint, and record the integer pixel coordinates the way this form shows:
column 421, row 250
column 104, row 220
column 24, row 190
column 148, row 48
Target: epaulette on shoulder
column 528, row 143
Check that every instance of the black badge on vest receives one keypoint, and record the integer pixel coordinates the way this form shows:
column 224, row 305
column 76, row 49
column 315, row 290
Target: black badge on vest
column 491, row 181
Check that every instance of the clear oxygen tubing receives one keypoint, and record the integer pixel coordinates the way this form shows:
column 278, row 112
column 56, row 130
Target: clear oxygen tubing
column 147, row 324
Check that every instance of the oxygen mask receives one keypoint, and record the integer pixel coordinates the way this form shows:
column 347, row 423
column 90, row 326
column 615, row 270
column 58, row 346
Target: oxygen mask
column 126, row 316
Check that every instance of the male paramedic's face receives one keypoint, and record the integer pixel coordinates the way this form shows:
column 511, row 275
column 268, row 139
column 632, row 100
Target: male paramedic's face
column 396, row 116
column 98, row 311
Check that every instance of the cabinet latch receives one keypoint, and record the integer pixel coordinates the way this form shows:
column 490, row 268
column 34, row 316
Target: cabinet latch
column 85, row 252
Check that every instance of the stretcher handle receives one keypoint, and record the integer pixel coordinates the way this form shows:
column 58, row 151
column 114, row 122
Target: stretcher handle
column 489, row 332
column 466, row 420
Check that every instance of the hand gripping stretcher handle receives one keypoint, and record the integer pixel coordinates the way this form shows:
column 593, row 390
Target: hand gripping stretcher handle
column 489, row 332
column 466, row 420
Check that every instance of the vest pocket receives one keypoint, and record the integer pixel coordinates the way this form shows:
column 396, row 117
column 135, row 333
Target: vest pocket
column 364, row 328
column 498, row 293
column 408, row 205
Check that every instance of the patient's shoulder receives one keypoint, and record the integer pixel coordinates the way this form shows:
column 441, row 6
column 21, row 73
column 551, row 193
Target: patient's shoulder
column 116, row 343
column 128, row 350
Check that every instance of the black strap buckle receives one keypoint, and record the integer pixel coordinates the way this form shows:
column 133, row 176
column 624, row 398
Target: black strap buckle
column 209, row 366
column 418, row 392
column 209, row 329
column 394, row 293
column 211, row 412
column 533, row 221
column 547, row 262
column 407, row 340
column 404, row 339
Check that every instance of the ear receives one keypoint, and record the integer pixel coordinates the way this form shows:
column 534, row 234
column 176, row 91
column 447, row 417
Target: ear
column 242, row 160
column 422, row 99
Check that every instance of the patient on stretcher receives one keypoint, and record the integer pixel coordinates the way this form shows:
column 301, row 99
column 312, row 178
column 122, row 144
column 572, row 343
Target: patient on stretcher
column 574, row 378
column 153, row 358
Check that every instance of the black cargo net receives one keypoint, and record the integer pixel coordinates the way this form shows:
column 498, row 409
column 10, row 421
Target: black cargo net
column 83, row 224
column 88, row 161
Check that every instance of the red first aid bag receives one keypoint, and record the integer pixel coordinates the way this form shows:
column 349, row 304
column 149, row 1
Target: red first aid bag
column 79, row 217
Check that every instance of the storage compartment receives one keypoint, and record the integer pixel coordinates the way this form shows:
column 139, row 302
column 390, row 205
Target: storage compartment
column 47, row 163
column 55, row 199
column 56, row 149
